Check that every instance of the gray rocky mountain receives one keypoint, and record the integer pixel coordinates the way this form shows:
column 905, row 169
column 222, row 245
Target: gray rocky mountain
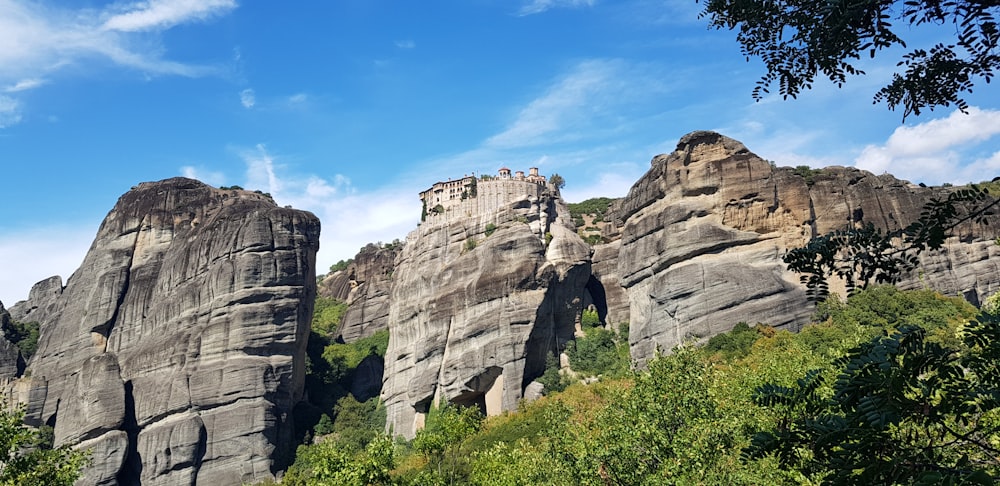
column 175, row 353
column 485, row 288
column 704, row 230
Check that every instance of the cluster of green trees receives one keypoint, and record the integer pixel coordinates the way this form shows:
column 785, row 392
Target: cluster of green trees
column 888, row 387
column 27, row 457
column 24, row 335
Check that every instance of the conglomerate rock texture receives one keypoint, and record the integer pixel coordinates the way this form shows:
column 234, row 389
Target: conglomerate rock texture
column 175, row 353
column 703, row 233
column 481, row 294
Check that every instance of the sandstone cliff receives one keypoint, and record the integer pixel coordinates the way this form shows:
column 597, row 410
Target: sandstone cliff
column 480, row 294
column 176, row 351
column 703, row 233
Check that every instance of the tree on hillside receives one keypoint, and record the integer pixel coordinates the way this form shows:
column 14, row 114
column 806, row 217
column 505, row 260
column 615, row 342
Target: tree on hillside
column 800, row 40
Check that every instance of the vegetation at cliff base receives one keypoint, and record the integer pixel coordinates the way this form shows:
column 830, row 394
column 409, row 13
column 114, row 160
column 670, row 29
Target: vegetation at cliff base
column 888, row 386
column 26, row 459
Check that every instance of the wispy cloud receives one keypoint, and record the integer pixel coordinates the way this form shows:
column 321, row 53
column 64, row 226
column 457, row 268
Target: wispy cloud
column 938, row 150
column 210, row 177
column 248, row 98
column 10, row 112
column 405, row 44
column 37, row 40
column 595, row 93
column 163, row 14
column 24, row 85
column 350, row 219
column 539, row 6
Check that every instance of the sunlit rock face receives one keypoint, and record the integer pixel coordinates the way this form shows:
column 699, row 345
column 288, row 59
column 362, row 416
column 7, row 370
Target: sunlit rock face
column 176, row 351
column 704, row 230
column 480, row 294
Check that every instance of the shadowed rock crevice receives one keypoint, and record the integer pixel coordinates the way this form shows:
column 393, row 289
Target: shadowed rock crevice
column 131, row 470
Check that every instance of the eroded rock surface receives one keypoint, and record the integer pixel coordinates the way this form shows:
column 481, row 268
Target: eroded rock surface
column 176, row 351
column 472, row 314
column 368, row 282
column 703, row 233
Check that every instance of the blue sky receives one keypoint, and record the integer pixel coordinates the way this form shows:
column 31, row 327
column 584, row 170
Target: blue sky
column 350, row 108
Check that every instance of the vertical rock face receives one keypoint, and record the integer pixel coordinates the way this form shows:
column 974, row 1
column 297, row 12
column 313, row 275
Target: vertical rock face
column 473, row 314
column 368, row 281
column 9, row 354
column 176, row 352
column 704, row 231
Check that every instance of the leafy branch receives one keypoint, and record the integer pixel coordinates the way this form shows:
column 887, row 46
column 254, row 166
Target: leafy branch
column 866, row 255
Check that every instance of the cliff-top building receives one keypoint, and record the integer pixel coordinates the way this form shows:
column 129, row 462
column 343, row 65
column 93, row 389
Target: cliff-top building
column 445, row 195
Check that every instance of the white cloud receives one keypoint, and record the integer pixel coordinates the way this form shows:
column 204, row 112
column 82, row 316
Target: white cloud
column 594, row 96
column 539, row 6
column 938, row 150
column 298, row 98
column 248, row 98
column 30, row 256
column 163, row 14
column 350, row 219
column 10, row 112
column 39, row 40
column 25, row 85
column 261, row 171
column 406, row 44
column 212, row 178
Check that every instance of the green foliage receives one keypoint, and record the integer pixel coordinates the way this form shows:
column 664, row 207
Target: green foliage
column 24, row 461
column 798, row 41
column 598, row 352
column 885, row 307
column 548, row 238
column 356, row 423
column 439, row 209
column 231, row 188
column 736, row 343
column 327, row 313
column 905, row 410
column 442, row 439
column 594, row 239
column 597, row 206
column 807, row 173
column 490, row 228
column 552, row 379
column 589, row 318
column 557, row 181
column 992, row 304
column 24, row 335
column 341, row 265
column 351, row 354
column 866, row 255
column 470, row 244
column 329, row 464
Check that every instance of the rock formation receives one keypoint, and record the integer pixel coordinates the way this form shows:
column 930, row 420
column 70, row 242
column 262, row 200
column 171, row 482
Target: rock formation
column 175, row 353
column 10, row 355
column 365, row 286
column 703, row 233
column 482, row 291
